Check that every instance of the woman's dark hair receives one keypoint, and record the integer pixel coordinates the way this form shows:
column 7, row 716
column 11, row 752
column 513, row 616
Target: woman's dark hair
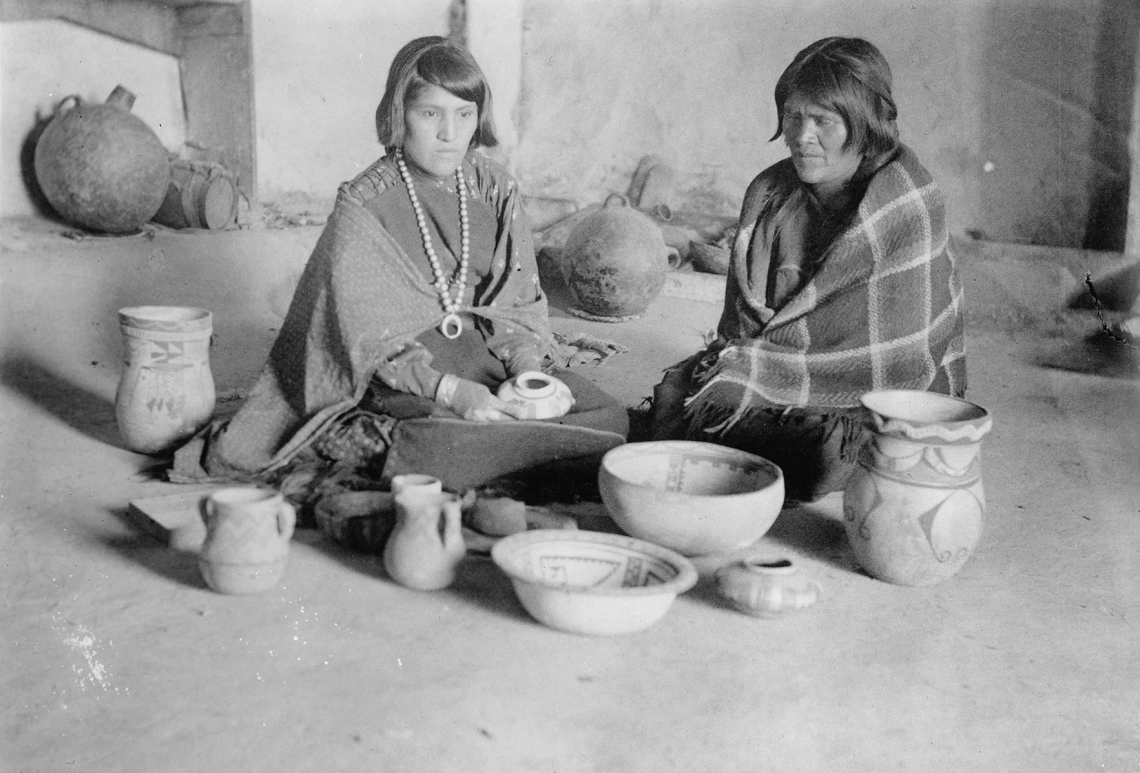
column 433, row 61
column 851, row 77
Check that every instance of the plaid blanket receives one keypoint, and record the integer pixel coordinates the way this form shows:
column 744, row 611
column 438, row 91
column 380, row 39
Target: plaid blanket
column 884, row 310
column 360, row 301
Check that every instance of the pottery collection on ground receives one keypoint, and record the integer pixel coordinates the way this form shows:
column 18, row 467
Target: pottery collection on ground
column 913, row 510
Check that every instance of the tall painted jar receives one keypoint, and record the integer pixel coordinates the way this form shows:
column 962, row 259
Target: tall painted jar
column 166, row 390
column 914, row 508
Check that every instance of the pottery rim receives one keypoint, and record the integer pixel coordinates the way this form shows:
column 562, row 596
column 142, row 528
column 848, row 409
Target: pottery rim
column 918, row 407
column 523, row 382
column 187, row 316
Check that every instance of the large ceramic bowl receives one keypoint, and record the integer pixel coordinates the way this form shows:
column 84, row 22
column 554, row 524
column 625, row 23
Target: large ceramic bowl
column 695, row 498
column 590, row 582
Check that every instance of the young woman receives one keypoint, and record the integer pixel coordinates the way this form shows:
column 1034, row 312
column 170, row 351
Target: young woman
column 841, row 281
column 421, row 297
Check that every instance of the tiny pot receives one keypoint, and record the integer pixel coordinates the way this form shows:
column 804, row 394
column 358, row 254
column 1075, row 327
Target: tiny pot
column 540, row 395
column 766, row 587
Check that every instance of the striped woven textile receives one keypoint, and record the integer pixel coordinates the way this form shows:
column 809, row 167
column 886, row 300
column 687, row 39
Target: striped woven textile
column 884, row 309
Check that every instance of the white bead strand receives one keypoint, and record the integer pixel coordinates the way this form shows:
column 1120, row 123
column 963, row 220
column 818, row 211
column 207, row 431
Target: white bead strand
column 452, row 325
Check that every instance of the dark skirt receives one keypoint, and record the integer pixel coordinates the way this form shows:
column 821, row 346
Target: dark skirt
column 817, row 448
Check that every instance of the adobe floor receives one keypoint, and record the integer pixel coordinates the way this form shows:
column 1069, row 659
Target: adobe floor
column 114, row 656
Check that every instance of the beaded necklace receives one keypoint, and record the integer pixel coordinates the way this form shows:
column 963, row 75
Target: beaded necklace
column 452, row 325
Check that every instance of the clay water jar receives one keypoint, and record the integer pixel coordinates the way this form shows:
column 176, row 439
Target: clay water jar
column 248, row 531
column 615, row 263
column 915, row 506
column 426, row 546
column 100, row 166
column 166, row 388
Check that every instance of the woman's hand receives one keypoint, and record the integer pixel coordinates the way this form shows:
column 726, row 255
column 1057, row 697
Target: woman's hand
column 473, row 401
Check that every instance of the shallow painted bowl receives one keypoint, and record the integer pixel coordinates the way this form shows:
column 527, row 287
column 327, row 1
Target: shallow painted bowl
column 695, row 498
column 590, row 582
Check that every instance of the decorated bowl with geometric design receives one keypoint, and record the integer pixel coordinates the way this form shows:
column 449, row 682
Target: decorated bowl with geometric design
column 592, row 582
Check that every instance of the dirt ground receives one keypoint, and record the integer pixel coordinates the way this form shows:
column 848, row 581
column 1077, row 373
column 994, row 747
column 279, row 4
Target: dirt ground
column 115, row 656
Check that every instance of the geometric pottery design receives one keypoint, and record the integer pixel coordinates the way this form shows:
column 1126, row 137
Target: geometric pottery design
column 952, row 527
column 922, row 465
column 576, row 571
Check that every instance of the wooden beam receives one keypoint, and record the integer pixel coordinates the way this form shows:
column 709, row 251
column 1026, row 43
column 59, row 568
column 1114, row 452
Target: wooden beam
column 217, row 87
column 135, row 21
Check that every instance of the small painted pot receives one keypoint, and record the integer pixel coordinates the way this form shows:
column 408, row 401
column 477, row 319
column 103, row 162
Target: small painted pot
column 766, row 587
column 543, row 396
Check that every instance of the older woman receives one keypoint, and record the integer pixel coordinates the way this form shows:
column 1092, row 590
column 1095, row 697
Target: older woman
column 841, row 281
column 420, row 298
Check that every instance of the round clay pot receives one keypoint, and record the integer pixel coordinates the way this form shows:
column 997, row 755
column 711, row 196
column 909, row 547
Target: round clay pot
column 766, row 588
column 100, row 166
column 615, row 262
column 914, row 507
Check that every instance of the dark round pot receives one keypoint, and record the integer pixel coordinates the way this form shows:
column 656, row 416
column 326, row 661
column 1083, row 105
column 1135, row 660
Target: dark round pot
column 100, row 166
column 615, row 262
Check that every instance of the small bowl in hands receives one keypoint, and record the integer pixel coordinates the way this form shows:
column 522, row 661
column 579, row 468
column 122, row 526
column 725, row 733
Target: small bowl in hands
column 692, row 497
column 542, row 396
column 590, row 582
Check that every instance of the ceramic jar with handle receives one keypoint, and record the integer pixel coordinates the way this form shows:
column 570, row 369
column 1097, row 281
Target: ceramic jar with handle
column 426, row 546
column 248, row 530
column 166, row 389
column 100, row 166
column 914, row 507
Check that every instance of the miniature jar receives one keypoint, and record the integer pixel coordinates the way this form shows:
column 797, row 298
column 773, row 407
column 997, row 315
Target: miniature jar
column 766, row 587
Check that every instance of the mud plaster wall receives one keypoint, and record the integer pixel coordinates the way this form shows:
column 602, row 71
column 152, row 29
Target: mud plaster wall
column 41, row 62
column 1020, row 108
column 319, row 72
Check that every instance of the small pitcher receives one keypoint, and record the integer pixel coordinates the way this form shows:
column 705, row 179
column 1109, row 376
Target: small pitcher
column 427, row 544
column 247, row 539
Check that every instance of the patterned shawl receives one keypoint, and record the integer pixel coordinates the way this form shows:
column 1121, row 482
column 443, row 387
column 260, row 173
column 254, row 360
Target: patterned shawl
column 884, row 309
column 362, row 300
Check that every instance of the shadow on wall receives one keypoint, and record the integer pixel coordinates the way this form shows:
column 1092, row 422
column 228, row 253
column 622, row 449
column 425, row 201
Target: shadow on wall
column 1112, row 97
column 1056, row 87
column 28, row 169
